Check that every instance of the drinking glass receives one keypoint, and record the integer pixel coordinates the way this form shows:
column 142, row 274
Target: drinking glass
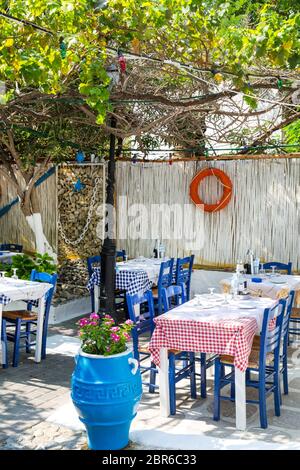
column 273, row 270
column 14, row 276
column 211, row 290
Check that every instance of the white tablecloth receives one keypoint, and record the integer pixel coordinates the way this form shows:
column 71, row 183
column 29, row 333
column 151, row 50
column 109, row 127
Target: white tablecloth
column 268, row 287
column 150, row 265
column 11, row 290
column 231, row 311
column 7, row 256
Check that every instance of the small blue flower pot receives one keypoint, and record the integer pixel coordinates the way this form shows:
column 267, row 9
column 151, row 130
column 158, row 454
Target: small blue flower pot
column 106, row 391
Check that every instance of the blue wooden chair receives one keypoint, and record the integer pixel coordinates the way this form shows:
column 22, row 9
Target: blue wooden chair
column 165, row 279
column 144, row 324
column 92, row 261
column 4, row 344
column 184, row 267
column 294, row 326
column 285, row 341
column 26, row 318
column 121, row 255
column 264, row 361
column 280, row 266
column 11, row 247
column 172, row 297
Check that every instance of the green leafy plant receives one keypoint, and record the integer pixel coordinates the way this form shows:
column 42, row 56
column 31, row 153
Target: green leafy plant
column 25, row 264
column 102, row 336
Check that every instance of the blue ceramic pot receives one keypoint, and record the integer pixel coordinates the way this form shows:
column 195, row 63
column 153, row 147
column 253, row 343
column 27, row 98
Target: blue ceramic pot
column 106, row 391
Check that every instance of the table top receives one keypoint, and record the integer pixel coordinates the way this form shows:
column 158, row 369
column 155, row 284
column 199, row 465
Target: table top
column 17, row 289
column 150, row 265
column 8, row 254
column 271, row 286
column 222, row 328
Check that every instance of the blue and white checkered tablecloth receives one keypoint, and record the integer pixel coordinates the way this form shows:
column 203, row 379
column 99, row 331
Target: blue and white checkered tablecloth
column 133, row 282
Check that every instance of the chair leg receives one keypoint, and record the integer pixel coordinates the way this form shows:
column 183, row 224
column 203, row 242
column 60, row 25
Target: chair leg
column 92, row 299
column 17, row 343
column 263, row 403
column 172, row 385
column 28, row 326
column 4, row 339
column 285, row 377
column 152, row 378
column 277, row 397
column 193, row 376
column 217, row 390
column 203, row 374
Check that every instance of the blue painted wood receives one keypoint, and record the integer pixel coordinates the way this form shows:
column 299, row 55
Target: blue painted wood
column 281, row 266
column 184, row 267
column 7, row 207
column 144, row 323
column 91, row 262
column 25, row 334
column 11, row 247
column 45, row 176
column 268, row 380
column 4, row 340
column 165, row 279
column 285, row 336
column 121, row 254
column 173, row 296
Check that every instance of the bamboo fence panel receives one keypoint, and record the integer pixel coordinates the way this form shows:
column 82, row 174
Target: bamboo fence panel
column 263, row 213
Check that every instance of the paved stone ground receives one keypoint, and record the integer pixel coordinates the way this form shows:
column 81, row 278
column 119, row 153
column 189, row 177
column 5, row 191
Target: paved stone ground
column 32, row 392
column 29, row 393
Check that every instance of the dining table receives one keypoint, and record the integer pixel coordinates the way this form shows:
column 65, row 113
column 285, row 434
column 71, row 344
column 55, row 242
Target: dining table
column 275, row 286
column 210, row 323
column 135, row 276
column 12, row 290
column 6, row 257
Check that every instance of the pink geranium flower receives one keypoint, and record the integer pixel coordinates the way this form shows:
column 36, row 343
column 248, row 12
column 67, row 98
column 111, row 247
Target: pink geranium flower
column 94, row 316
column 83, row 322
column 115, row 329
column 129, row 322
column 115, row 337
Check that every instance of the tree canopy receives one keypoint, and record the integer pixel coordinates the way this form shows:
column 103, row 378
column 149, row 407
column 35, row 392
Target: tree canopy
column 198, row 73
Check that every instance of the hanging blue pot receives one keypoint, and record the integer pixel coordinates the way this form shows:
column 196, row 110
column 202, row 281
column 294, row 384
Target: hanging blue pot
column 80, row 156
column 106, row 391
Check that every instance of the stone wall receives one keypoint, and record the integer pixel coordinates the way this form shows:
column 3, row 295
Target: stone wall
column 74, row 207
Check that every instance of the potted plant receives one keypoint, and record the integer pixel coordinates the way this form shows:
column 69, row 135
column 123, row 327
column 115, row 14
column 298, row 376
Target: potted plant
column 106, row 382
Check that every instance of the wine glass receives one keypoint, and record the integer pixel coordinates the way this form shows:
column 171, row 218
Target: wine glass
column 3, row 273
column 14, row 276
column 211, row 290
column 273, row 270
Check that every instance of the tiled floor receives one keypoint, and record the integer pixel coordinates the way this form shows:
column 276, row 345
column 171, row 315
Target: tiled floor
column 33, row 392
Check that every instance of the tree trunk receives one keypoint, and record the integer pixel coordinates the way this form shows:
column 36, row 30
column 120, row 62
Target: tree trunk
column 33, row 216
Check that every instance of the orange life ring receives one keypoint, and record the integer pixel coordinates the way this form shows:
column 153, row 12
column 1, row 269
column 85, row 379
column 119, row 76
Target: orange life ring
column 227, row 191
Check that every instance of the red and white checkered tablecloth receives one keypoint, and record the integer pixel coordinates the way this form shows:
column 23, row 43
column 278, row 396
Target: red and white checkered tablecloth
column 220, row 331
column 232, row 337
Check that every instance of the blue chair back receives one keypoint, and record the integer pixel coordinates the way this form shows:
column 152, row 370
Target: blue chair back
column 184, row 267
column 11, row 247
column 91, row 261
column 270, row 338
column 286, row 320
column 281, row 266
column 121, row 254
column 173, row 296
column 45, row 277
column 143, row 318
column 165, row 279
